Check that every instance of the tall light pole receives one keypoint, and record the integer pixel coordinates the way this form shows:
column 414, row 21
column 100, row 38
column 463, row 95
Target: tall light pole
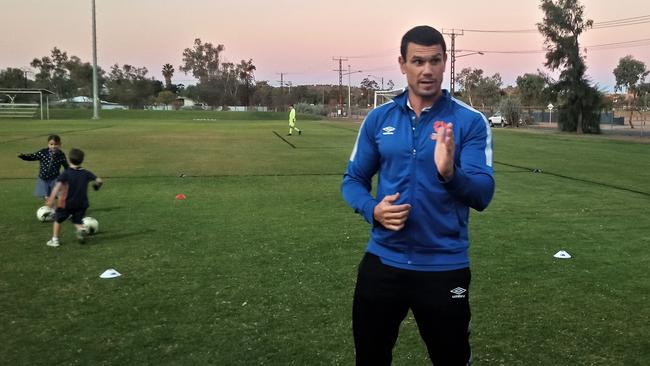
column 452, row 80
column 25, row 71
column 95, row 86
column 349, row 88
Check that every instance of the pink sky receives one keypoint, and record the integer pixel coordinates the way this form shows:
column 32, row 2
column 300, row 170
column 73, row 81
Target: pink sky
column 300, row 38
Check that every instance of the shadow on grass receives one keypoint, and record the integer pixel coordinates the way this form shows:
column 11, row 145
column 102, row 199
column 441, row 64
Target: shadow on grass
column 107, row 209
column 102, row 237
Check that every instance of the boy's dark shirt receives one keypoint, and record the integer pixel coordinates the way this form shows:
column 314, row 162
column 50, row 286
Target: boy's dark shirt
column 76, row 195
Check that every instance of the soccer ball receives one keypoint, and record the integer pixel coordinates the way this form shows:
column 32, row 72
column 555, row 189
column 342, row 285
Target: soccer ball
column 45, row 213
column 91, row 225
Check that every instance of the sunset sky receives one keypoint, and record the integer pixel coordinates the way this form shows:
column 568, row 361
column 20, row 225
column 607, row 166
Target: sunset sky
column 300, row 38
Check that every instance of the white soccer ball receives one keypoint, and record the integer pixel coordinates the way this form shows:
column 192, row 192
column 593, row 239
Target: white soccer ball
column 91, row 225
column 44, row 214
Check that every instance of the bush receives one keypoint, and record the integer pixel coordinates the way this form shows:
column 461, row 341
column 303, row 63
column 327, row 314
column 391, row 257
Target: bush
column 315, row 109
column 511, row 110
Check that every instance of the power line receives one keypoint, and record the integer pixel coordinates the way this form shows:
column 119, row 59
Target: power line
column 501, row 30
column 624, row 19
column 598, row 47
column 643, row 19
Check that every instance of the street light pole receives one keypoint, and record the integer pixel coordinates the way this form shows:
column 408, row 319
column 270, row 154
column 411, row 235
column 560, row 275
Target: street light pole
column 95, row 86
column 349, row 87
column 452, row 85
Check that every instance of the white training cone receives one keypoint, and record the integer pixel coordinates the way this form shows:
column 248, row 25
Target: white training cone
column 110, row 273
column 562, row 255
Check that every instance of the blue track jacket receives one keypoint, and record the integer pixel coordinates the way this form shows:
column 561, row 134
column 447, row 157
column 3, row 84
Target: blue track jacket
column 397, row 145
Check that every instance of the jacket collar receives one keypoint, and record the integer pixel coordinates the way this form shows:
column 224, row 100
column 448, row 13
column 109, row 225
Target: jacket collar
column 402, row 100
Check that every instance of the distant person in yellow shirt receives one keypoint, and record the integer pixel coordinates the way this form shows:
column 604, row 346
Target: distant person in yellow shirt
column 292, row 121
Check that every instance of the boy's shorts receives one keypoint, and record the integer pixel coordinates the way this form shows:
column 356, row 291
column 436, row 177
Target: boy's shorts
column 77, row 215
column 44, row 187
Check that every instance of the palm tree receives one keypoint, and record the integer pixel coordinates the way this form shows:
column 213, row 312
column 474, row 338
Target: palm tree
column 168, row 72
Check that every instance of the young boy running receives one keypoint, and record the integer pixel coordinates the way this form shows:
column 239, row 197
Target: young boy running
column 72, row 185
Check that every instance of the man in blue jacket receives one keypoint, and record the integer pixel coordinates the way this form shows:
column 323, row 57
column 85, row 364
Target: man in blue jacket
column 433, row 157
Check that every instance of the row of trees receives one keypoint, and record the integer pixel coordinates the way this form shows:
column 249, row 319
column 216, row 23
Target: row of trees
column 221, row 83
column 580, row 102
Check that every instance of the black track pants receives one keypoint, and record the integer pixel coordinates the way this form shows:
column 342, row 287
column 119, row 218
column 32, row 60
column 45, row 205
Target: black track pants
column 439, row 302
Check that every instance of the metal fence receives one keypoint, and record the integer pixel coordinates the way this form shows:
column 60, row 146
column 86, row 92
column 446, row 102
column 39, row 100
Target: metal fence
column 18, row 110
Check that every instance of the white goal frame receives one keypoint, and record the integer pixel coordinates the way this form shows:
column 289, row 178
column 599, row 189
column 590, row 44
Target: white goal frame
column 385, row 95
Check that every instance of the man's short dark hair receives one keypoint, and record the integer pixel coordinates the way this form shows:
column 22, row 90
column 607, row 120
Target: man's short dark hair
column 76, row 156
column 56, row 139
column 424, row 36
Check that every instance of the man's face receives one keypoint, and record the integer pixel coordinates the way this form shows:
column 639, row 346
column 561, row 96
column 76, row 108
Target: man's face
column 424, row 67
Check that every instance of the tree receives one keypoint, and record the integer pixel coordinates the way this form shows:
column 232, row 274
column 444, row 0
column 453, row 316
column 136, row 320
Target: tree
column 81, row 76
column 53, row 74
column 14, row 78
column 479, row 89
column 644, row 95
column 130, row 85
column 168, row 72
column 630, row 75
column 246, row 71
column 262, row 94
column 468, row 80
column 530, row 88
column 488, row 90
column 368, row 86
column 561, row 27
column 66, row 76
column 202, row 60
column 166, row 97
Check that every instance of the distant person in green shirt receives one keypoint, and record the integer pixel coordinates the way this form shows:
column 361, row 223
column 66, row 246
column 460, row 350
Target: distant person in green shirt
column 292, row 121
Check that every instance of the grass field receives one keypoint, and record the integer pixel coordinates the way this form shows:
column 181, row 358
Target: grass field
column 257, row 266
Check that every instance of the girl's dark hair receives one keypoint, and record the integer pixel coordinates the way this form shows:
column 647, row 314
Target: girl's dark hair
column 56, row 139
column 424, row 36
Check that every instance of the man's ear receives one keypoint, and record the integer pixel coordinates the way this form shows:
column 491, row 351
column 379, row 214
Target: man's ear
column 402, row 63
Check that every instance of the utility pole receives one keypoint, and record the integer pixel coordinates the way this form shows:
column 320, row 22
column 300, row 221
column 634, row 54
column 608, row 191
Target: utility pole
column 349, row 95
column 452, row 80
column 25, row 71
column 282, row 101
column 340, row 70
column 349, row 88
column 95, row 83
column 281, row 82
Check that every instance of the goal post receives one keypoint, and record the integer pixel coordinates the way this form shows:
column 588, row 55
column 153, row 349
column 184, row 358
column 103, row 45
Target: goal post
column 384, row 96
column 38, row 100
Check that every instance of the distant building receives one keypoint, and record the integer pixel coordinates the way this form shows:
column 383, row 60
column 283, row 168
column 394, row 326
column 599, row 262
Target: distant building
column 87, row 101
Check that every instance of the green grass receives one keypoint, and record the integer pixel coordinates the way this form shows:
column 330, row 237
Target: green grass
column 257, row 265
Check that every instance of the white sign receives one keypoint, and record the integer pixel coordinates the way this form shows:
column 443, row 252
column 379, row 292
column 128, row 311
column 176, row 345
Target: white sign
column 550, row 107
